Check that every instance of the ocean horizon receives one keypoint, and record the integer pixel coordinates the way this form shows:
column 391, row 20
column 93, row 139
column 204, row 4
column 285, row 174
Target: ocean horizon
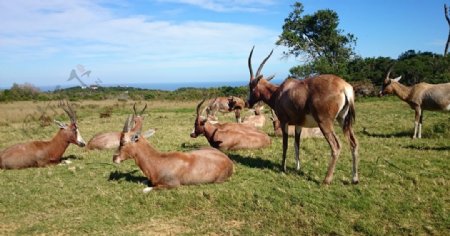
column 156, row 86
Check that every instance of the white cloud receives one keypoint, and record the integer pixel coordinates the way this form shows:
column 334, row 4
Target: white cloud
column 83, row 32
column 227, row 5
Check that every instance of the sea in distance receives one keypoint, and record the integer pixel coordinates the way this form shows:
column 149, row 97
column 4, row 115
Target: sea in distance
column 156, row 86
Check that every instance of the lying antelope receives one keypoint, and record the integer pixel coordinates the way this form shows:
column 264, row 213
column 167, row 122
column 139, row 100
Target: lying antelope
column 306, row 132
column 256, row 120
column 229, row 137
column 420, row 97
column 313, row 102
column 221, row 104
column 172, row 169
column 111, row 140
column 43, row 153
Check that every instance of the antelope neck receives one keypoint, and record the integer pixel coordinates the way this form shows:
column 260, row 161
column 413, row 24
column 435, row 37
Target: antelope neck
column 268, row 93
column 402, row 91
column 144, row 156
column 57, row 146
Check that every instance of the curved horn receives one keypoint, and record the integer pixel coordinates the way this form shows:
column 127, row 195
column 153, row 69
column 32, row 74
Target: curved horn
column 68, row 109
column 134, row 109
column 198, row 107
column 274, row 117
column 262, row 63
column 142, row 112
column 126, row 127
column 389, row 71
column 250, row 63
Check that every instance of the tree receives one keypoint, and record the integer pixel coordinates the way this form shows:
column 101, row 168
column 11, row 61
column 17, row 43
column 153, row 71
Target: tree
column 316, row 39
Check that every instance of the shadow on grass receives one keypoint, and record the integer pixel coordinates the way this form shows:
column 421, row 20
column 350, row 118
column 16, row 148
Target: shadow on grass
column 257, row 162
column 189, row 146
column 130, row 176
column 401, row 134
column 425, row 148
column 71, row 157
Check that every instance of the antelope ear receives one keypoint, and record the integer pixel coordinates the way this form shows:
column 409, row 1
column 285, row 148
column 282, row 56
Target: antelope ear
column 397, row 79
column 60, row 124
column 270, row 77
column 149, row 133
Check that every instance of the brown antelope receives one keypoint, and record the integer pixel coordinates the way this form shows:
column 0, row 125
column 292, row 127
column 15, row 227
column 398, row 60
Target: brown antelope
column 229, row 137
column 172, row 169
column 111, row 140
column 306, row 132
column 313, row 102
column 43, row 153
column 257, row 120
column 420, row 97
column 221, row 104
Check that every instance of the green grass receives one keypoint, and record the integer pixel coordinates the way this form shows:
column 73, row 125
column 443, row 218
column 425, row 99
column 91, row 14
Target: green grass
column 403, row 190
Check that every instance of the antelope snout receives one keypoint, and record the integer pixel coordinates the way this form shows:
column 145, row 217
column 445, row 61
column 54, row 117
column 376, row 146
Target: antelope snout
column 193, row 135
column 80, row 140
column 81, row 143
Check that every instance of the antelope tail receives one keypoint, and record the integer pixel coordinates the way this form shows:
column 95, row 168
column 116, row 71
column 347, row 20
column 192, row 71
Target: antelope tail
column 350, row 118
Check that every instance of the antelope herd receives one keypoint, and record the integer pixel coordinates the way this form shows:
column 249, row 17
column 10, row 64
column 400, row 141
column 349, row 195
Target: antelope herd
column 300, row 108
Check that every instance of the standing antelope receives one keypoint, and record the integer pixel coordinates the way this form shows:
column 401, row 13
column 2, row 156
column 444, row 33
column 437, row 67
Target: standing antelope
column 43, row 153
column 222, row 104
column 313, row 102
column 306, row 132
column 227, row 137
column 168, row 170
column 110, row 140
column 420, row 97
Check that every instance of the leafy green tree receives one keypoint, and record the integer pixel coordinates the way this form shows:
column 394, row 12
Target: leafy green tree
column 416, row 67
column 317, row 40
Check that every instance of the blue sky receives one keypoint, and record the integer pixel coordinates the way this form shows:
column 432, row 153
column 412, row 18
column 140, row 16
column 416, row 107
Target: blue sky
column 179, row 41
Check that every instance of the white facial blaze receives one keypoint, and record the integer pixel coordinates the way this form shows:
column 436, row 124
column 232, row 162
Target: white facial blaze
column 79, row 138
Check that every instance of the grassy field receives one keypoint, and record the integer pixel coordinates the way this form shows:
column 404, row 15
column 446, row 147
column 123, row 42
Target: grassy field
column 404, row 183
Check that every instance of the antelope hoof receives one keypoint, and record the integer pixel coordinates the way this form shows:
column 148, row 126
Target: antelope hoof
column 147, row 190
column 65, row 162
column 355, row 181
column 327, row 181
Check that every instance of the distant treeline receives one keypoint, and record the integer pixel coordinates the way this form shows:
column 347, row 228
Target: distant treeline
column 26, row 92
column 414, row 67
column 366, row 75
